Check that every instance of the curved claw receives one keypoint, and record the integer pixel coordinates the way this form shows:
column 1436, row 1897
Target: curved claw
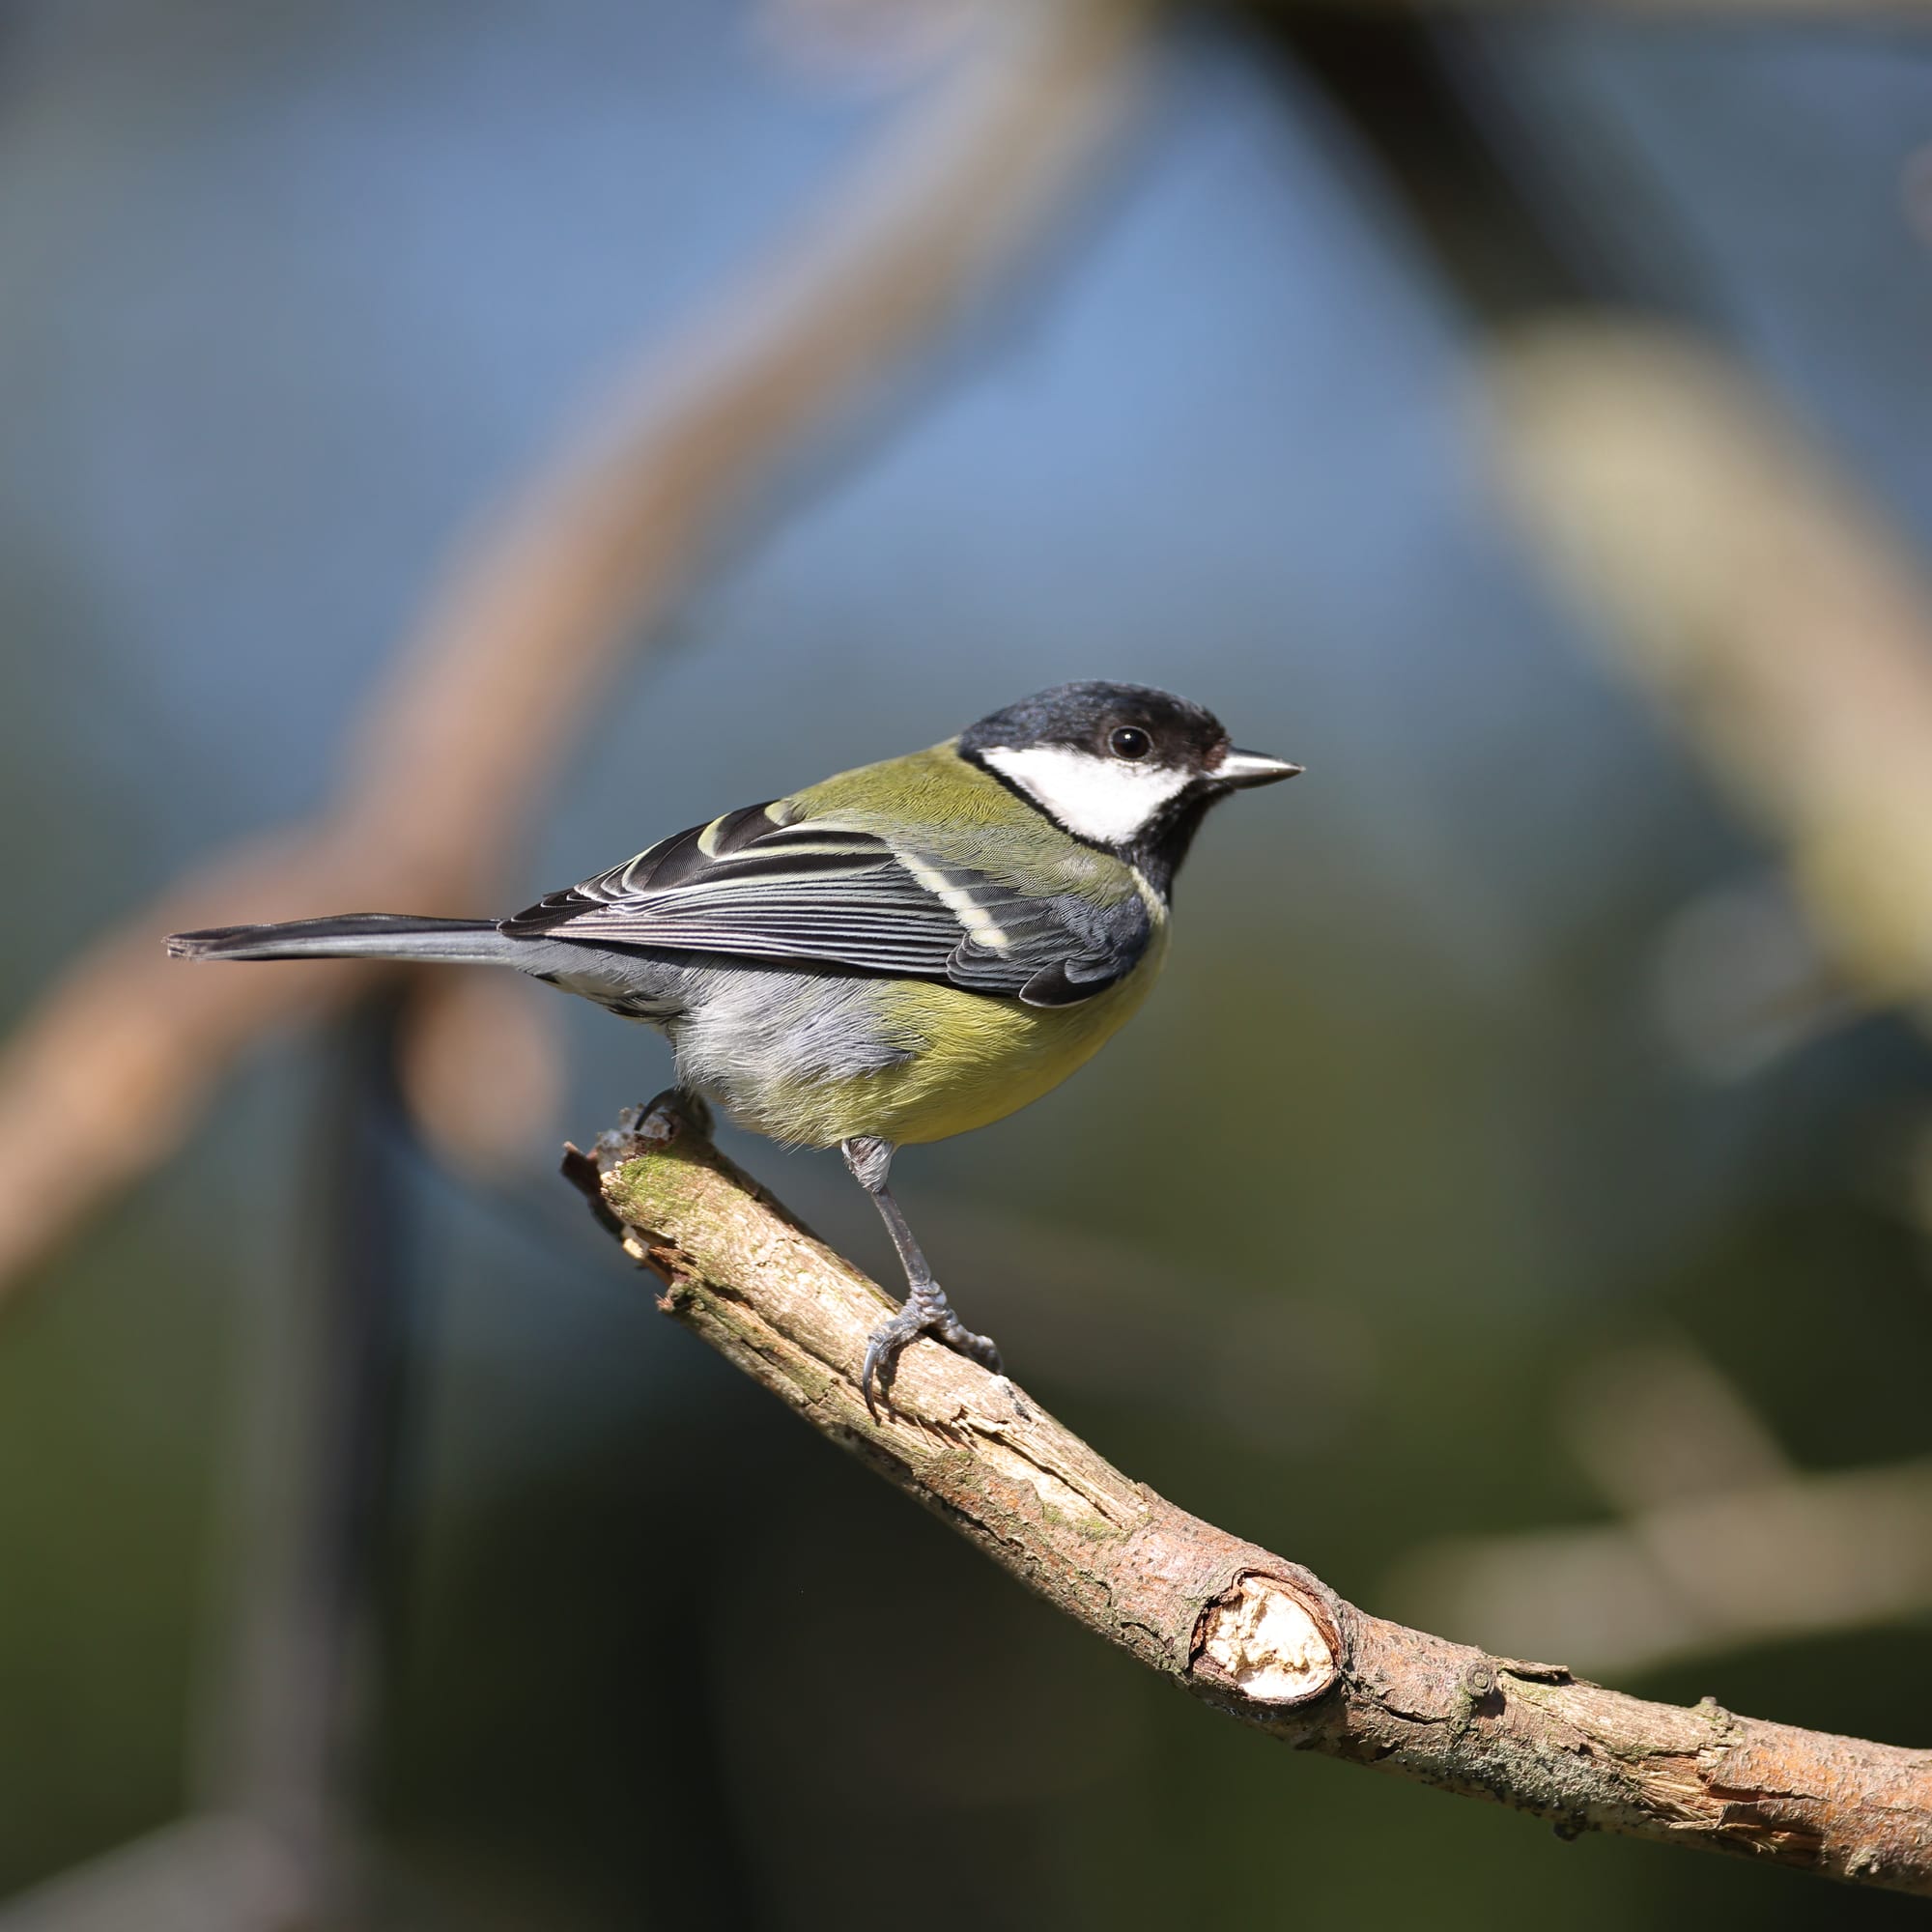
column 881, row 1362
column 926, row 1312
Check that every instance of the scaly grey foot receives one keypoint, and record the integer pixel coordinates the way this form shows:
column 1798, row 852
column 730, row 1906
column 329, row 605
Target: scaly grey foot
column 926, row 1312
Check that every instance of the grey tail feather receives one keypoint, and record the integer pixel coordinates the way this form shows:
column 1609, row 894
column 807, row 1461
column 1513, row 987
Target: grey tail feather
column 364, row 936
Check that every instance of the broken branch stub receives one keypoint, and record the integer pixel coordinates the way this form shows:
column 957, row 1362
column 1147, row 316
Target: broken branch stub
column 1261, row 1641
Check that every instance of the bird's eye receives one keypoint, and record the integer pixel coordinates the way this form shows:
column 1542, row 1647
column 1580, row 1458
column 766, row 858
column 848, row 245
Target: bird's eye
column 1129, row 741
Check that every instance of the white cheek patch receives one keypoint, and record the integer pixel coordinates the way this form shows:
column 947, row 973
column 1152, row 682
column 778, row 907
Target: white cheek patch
column 1106, row 799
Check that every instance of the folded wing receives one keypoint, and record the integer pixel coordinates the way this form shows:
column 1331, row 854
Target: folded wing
column 750, row 884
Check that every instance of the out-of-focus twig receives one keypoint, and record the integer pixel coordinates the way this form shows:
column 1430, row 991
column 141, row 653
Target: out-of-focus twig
column 1802, row 1556
column 1239, row 1627
column 108, row 1073
column 1739, row 979
column 1718, row 1540
column 1659, row 1423
column 1761, row 600
column 1768, row 607
column 213, row 1873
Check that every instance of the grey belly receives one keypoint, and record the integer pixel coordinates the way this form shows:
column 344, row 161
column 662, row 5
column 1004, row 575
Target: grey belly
column 748, row 1033
column 743, row 1030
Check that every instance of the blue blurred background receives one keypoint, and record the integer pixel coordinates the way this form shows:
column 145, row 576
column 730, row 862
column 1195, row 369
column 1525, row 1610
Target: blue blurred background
column 1321, row 1248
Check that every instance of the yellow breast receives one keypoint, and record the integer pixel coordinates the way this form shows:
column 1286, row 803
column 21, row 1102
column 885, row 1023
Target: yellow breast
column 969, row 1059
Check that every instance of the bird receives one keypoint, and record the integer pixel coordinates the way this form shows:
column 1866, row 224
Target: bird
column 896, row 954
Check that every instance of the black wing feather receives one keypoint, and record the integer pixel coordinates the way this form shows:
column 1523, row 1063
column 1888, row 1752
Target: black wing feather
column 754, row 886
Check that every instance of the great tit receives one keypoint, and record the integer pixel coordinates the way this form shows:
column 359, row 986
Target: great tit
column 902, row 953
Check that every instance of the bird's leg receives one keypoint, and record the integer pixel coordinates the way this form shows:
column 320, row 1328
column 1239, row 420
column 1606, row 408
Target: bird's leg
column 925, row 1310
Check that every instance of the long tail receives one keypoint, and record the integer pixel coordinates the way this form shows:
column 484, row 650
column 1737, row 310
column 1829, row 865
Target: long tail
column 365, row 935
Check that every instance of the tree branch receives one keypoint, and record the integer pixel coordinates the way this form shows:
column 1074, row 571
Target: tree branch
column 1243, row 1628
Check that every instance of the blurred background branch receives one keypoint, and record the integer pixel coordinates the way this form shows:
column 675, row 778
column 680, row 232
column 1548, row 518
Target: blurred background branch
column 210, row 1873
column 102, row 1080
column 1758, row 598
column 1718, row 1542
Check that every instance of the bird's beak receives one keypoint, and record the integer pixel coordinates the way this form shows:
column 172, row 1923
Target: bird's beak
column 1252, row 768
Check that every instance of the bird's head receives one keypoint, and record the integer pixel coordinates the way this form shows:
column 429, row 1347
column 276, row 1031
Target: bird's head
column 1119, row 765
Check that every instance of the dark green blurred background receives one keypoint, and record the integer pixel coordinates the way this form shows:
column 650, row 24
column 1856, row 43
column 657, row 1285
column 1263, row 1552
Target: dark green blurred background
column 1332, row 1247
